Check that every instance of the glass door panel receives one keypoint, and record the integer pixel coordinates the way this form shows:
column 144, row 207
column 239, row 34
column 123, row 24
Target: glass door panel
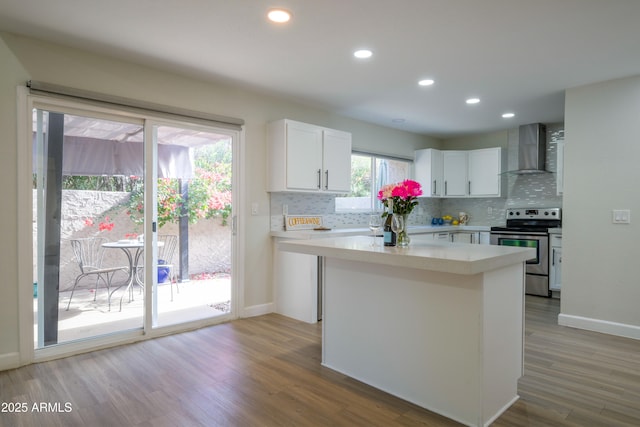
column 85, row 248
column 194, row 215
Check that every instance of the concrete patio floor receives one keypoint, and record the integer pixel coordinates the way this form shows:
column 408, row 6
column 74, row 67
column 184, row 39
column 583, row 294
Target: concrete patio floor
column 86, row 318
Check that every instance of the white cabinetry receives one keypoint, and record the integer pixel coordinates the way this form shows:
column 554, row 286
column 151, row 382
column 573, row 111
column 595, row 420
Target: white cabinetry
column 336, row 161
column 308, row 158
column 555, row 261
column 485, row 167
column 560, row 168
column 466, row 237
column 428, row 168
column 485, row 238
column 455, row 173
column 296, row 282
column 442, row 235
column 460, row 173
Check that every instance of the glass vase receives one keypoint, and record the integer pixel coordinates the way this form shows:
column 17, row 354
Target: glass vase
column 403, row 238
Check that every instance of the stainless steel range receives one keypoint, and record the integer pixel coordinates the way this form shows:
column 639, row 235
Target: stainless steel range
column 529, row 228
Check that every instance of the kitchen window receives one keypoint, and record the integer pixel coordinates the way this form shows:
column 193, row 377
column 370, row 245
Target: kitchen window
column 368, row 173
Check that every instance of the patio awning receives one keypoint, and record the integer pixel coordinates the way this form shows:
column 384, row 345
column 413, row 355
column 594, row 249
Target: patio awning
column 86, row 156
column 96, row 147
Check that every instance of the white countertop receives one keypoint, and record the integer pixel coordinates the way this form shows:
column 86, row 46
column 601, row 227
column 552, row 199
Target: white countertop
column 423, row 253
column 364, row 231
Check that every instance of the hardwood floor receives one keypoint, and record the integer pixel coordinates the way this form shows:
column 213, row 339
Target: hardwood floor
column 265, row 371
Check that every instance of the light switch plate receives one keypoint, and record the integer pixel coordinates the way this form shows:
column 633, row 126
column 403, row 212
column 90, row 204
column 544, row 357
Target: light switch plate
column 621, row 216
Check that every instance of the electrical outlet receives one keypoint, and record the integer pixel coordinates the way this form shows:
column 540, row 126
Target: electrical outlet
column 285, row 209
column 621, row 216
column 254, row 208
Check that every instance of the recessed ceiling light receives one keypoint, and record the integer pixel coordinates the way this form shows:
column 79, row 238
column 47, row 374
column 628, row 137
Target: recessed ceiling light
column 398, row 120
column 473, row 100
column 508, row 115
column 279, row 15
column 426, row 82
column 362, row 53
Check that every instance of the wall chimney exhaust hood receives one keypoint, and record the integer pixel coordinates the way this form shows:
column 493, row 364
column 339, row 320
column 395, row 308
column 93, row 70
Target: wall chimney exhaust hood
column 532, row 149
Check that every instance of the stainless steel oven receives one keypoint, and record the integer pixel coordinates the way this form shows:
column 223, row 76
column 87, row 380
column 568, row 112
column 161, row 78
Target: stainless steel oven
column 529, row 228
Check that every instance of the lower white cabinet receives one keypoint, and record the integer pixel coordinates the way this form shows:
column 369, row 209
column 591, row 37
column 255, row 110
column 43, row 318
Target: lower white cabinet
column 462, row 236
column 297, row 281
column 442, row 235
column 485, row 238
column 555, row 262
column 465, row 237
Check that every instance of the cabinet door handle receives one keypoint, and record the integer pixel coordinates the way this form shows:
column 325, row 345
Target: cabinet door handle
column 326, row 179
column 469, row 187
column 319, row 179
column 435, row 191
column 445, row 188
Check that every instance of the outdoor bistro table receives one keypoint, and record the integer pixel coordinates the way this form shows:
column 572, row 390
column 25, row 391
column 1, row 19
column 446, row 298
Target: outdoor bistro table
column 133, row 249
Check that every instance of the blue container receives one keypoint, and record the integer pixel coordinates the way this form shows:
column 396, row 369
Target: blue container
column 163, row 272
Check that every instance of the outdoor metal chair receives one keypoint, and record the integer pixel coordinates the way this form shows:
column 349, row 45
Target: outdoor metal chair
column 88, row 254
column 167, row 245
column 166, row 254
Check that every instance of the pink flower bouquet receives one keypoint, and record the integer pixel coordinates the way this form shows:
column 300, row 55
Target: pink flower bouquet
column 402, row 196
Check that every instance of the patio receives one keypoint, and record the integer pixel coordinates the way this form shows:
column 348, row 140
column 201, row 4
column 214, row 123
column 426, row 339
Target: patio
column 197, row 299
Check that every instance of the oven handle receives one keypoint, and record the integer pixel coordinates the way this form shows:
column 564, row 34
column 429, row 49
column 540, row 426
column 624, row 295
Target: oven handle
column 519, row 234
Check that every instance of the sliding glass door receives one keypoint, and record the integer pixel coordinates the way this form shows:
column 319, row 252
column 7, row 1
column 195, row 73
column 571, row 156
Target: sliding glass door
column 85, row 168
column 192, row 280
column 104, row 263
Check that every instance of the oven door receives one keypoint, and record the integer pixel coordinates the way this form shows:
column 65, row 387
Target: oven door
column 539, row 242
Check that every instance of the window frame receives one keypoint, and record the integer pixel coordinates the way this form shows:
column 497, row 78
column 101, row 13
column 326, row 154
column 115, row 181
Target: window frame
column 374, row 204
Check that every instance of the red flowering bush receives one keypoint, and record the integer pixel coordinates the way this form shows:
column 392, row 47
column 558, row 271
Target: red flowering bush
column 104, row 225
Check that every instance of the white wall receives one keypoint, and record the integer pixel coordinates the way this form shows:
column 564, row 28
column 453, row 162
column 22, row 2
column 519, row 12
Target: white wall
column 600, row 282
column 22, row 59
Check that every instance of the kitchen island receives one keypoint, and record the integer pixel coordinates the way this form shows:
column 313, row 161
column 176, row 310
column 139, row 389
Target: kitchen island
column 437, row 324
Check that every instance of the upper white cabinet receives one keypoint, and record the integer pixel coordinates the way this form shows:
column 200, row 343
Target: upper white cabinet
column 485, row 168
column 459, row 173
column 308, row 158
column 428, row 168
column 336, row 160
column 455, row 173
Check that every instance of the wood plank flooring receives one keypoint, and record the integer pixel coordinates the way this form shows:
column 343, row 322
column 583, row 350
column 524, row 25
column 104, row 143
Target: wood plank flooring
column 265, row 371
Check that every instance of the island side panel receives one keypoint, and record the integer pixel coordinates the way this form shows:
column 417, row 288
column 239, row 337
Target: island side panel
column 295, row 279
column 413, row 333
column 503, row 342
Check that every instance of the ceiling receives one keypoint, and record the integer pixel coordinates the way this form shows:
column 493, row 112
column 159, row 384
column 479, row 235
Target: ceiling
column 515, row 55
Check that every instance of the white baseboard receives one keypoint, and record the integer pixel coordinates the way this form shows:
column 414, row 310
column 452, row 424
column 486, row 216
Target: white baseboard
column 258, row 310
column 597, row 325
column 9, row 361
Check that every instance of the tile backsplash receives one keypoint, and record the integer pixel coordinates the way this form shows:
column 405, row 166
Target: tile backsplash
column 322, row 204
column 537, row 190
